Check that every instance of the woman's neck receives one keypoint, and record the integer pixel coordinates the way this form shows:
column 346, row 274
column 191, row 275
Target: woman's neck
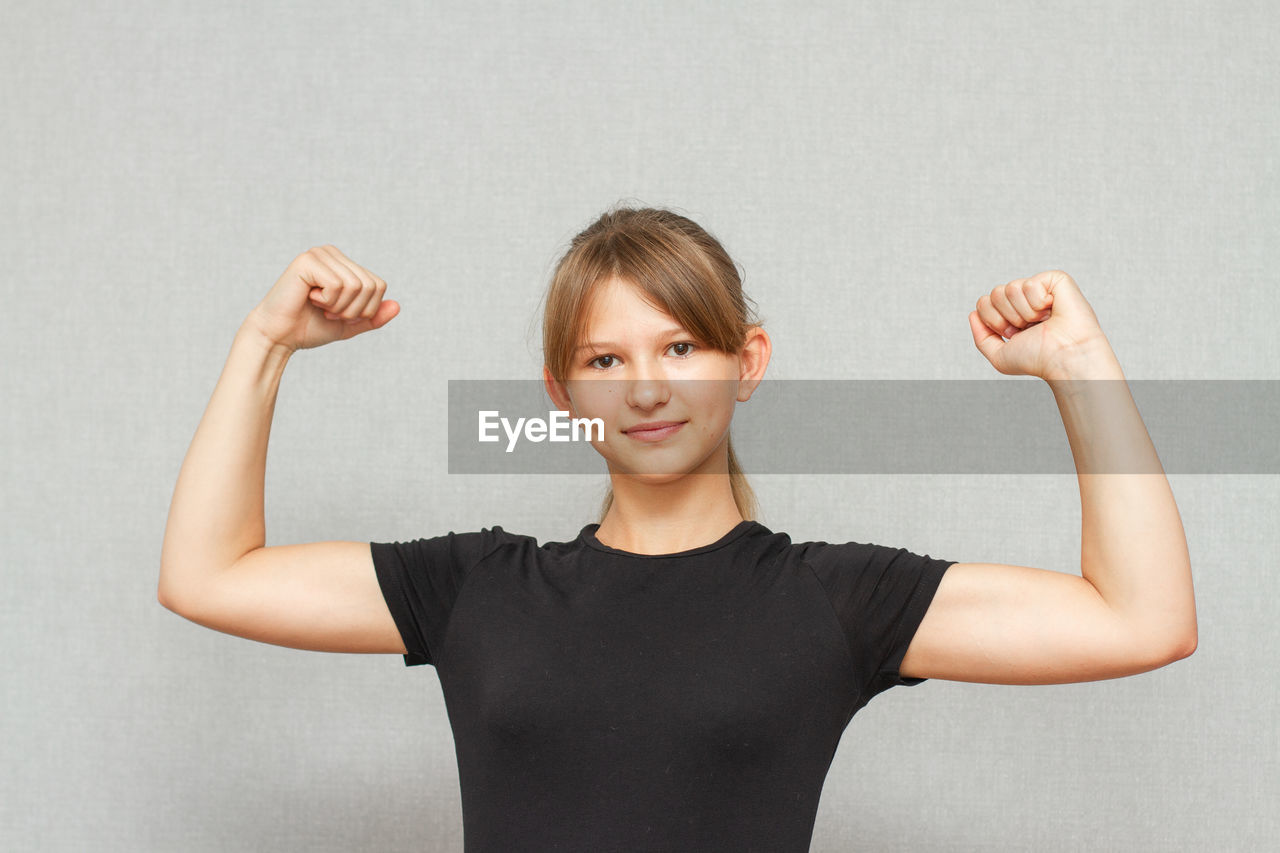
column 665, row 519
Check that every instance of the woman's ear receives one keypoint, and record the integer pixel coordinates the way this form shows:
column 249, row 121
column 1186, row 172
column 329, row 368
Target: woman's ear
column 752, row 361
column 556, row 391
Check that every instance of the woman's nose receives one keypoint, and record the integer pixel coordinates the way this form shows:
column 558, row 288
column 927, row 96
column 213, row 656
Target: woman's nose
column 647, row 386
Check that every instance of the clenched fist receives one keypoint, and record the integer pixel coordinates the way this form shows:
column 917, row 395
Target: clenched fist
column 1042, row 319
column 323, row 296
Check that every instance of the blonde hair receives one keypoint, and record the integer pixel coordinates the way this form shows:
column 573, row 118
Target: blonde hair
column 678, row 267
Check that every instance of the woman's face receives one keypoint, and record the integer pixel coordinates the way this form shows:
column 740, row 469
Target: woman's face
column 637, row 366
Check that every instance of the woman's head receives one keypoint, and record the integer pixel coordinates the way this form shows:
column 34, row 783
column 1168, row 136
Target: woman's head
column 665, row 266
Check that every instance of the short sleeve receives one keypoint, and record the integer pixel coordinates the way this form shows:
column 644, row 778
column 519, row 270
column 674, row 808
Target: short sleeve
column 421, row 579
column 879, row 595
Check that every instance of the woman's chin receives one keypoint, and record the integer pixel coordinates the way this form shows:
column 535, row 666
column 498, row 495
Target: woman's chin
column 650, row 478
column 652, row 474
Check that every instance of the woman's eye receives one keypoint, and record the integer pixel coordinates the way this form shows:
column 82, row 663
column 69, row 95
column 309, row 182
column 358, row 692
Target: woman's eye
column 688, row 348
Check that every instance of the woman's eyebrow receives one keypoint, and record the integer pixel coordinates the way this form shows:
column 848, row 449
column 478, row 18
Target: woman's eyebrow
column 677, row 330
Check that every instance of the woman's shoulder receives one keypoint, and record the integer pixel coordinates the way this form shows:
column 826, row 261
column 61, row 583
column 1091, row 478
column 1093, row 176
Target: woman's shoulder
column 498, row 535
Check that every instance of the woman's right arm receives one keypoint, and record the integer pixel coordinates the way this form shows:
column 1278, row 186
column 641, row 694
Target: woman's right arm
column 214, row 567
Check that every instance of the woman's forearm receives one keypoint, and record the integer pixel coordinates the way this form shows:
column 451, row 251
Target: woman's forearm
column 1133, row 547
column 216, row 515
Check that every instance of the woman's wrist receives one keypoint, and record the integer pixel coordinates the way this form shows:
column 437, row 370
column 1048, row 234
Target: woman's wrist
column 251, row 330
column 1092, row 360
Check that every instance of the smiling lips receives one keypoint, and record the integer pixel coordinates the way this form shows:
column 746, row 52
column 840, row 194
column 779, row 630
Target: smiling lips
column 654, row 430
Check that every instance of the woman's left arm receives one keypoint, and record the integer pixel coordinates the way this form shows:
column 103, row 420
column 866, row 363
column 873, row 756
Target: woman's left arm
column 1132, row 608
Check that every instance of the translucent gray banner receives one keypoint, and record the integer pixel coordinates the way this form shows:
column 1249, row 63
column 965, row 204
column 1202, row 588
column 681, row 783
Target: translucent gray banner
column 846, row 426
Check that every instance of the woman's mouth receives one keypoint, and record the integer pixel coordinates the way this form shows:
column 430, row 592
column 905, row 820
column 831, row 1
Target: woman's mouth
column 655, row 433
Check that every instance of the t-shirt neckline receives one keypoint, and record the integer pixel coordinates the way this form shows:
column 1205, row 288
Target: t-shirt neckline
column 588, row 536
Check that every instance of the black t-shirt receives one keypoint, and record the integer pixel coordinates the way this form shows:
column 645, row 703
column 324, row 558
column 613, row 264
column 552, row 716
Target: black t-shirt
column 603, row 700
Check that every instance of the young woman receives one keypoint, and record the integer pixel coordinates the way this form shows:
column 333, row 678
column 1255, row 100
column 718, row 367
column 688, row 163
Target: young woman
column 678, row 676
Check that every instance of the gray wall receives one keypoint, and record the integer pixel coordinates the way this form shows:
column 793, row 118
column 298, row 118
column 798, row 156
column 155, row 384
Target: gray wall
column 873, row 168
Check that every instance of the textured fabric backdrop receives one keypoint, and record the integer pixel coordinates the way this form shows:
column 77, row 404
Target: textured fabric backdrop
column 873, row 168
